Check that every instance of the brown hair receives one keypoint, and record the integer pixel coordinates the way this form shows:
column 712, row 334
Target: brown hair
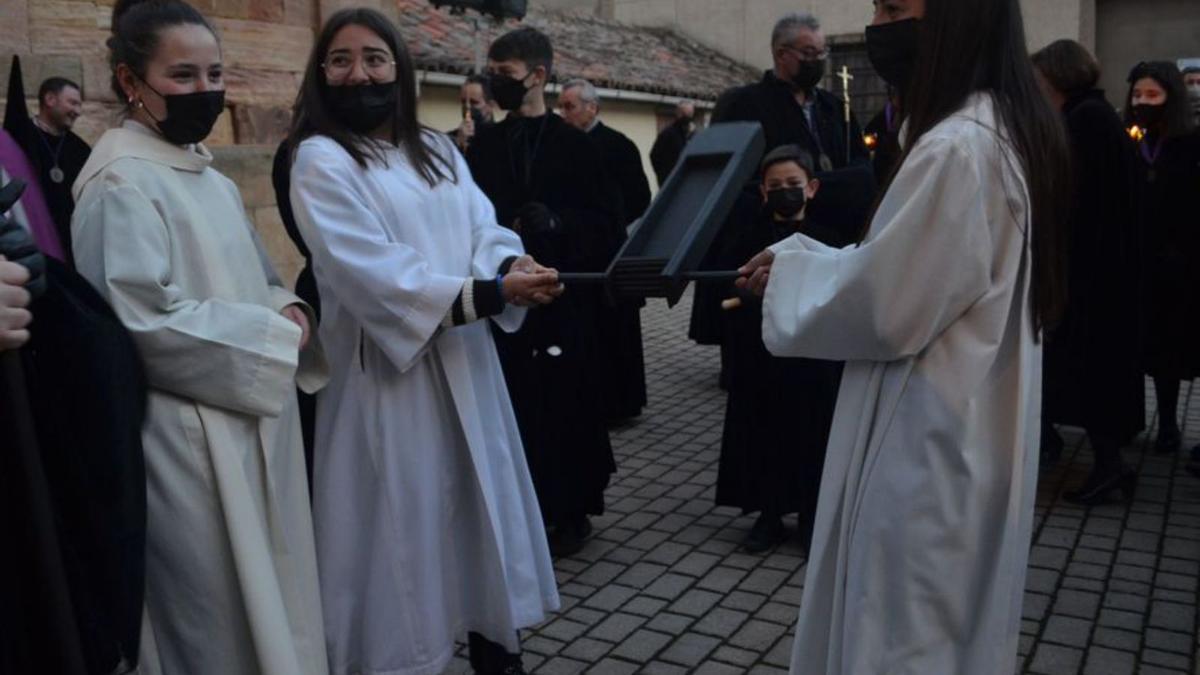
column 1068, row 67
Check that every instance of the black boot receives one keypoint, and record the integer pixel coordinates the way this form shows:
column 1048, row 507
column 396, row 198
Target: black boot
column 1100, row 485
column 570, row 536
column 766, row 534
column 490, row 658
column 1169, row 441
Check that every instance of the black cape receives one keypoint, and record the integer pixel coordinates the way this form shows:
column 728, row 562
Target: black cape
column 68, row 152
column 85, row 394
column 620, row 324
column 551, row 364
column 1092, row 373
column 847, row 191
column 779, row 410
column 306, row 288
column 1169, row 218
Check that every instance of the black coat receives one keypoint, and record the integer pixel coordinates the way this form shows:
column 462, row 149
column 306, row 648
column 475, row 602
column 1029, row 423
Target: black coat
column 668, row 148
column 847, row 191
column 620, row 325
column 551, row 364
column 1171, row 220
column 887, row 145
column 779, row 410
column 1092, row 372
column 87, row 394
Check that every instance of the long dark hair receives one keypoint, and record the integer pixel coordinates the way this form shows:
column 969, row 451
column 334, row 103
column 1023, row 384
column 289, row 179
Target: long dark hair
column 136, row 25
column 1177, row 118
column 311, row 116
column 970, row 46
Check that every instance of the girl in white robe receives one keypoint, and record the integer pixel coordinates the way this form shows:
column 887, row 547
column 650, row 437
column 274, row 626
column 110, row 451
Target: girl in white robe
column 923, row 528
column 427, row 525
column 231, row 579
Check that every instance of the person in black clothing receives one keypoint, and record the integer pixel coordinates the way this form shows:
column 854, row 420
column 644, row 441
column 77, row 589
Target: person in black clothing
column 794, row 110
column 56, row 152
column 620, row 325
column 883, row 137
column 306, row 288
column 1092, row 376
column 779, row 410
column 1169, row 169
column 669, row 145
column 547, row 182
column 478, row 109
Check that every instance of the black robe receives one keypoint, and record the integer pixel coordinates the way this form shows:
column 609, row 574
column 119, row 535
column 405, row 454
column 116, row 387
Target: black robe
column 73, row 486
column 847, row 191
column 620, row 325
column 68, row 152
column 668, row 148
column 306, row 288
column 551, row 364
column 887, row 145
column 1092, row 372
column 779, row 410
column 1171, row 221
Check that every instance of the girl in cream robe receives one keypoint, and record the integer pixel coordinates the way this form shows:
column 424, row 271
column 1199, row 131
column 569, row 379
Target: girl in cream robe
column 231, row 579
column 923, row 529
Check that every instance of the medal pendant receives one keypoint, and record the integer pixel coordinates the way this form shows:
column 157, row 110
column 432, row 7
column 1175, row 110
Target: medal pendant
column 57, row 175
column 826, row 163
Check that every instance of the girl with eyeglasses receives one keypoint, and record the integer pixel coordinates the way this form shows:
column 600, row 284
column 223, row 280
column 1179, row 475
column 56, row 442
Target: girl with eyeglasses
column 428, row 529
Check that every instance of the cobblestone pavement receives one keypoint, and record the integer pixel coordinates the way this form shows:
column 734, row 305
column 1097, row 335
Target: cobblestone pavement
column 663, row 588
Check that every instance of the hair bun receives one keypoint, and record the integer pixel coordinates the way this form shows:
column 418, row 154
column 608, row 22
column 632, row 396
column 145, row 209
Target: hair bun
column 122, row 7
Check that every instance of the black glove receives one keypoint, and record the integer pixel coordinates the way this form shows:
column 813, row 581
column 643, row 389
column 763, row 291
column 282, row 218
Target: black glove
column 536, row 218
column 17, row 244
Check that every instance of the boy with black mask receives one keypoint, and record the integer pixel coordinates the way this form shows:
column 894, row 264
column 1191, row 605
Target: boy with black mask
column 779, row 410
column 546, row 180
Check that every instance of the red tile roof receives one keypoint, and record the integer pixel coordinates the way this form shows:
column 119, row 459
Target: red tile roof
column 609, row 53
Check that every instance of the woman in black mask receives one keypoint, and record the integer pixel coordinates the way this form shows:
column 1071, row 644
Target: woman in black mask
column 1092, row 373
column 926, row 508
column 427, row 525
column 1156, row 111
column 165, row 238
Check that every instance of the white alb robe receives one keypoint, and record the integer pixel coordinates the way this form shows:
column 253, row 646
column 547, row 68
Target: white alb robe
column 426, row 520
column 231, row 579
column 923, row 529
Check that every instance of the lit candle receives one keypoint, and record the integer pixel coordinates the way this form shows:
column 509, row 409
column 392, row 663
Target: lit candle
column 1137, row 133
column 870, row 140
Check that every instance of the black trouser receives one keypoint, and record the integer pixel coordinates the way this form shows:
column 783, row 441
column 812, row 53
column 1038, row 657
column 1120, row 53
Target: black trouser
column 1167, row 391
column 487, row 657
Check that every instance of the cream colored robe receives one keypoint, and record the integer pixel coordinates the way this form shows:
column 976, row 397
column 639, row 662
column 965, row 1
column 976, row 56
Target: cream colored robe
column 231, row 578
column 922, row 532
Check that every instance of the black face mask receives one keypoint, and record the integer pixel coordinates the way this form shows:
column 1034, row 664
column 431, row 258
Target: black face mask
column 786, row 202
column 478, row 118
column 892, row 49
column 1148, row 117
column 509, row 91
column 808, row 74
column 362, row 108
column 190, row 117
